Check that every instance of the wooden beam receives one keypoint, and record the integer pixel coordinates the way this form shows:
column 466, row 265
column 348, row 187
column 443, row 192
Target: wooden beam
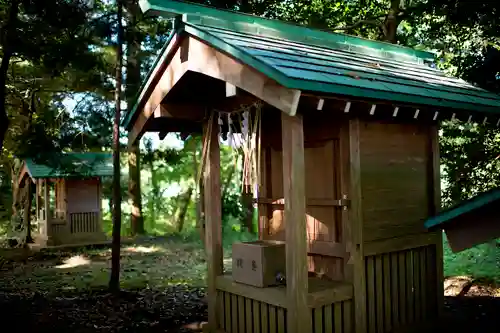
column 298, row 317
column 213, row 216
column 347, row 107
column 187, row 111
column 396, row 110
column 321, row 102
column 230, row 90
column 162, row 135
column 207, row 60
column 356, row 221
column 196, row 56
column 159, row 86
column 397, row 244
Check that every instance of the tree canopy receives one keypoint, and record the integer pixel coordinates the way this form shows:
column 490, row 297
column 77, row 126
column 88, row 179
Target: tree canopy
column 58, row 60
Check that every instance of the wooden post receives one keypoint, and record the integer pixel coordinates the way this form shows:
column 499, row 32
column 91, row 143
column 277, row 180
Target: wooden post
column 298, row 316
column 345, row 190
column 435, row 208
column 213, row 216
column 27, row 210
column 100, row 228
column 356, row 220
column 46, row 207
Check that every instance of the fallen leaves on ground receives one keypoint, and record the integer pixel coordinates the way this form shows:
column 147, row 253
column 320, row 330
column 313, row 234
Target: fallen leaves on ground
column 167, row 310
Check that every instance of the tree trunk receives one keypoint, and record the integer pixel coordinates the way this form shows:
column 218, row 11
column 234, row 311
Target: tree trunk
column 154, row 196
column 136, row 217
column 7, row 39
column 199, row 197
column 132, row 86
column 229, row 178
column 184, row 200
column 392, row 22
column 114, row 281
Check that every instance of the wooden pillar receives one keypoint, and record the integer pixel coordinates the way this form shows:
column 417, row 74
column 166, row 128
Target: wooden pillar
column 435, row 208
column 100, row 227
column 37, row 203
column 298, row 316
column 27, row 210
column 213, row 216
column 356, row 221
column 46, row 207
column 345, row 190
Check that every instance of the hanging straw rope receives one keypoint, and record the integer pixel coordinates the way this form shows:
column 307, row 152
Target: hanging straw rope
column 249, row 142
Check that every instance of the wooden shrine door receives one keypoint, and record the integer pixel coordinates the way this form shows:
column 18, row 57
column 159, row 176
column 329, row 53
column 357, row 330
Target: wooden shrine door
column 326, row 247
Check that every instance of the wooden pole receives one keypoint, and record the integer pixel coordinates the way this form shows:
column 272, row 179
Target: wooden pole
column 435, row 209
column 356, row 221
column 298, row 316
column 213, row 217
column 114, row 281
column 46, row 207
column 27, row 210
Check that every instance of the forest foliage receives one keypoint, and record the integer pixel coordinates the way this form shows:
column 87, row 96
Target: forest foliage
column 56, row 91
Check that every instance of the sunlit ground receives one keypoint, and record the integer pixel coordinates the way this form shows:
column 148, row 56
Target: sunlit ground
column 142, row 266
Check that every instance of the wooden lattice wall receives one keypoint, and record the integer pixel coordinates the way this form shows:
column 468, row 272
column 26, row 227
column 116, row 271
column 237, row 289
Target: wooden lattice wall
column 238, row 314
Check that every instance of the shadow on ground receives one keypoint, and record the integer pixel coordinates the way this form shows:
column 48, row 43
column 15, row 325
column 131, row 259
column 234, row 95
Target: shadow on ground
column 174, row 309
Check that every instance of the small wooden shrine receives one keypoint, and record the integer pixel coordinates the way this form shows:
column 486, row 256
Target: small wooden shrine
column 67, row 198
column 469, row 223
column 347, row 165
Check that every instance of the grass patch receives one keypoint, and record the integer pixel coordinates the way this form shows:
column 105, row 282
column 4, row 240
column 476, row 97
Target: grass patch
column 154, row 264
column 479, row 262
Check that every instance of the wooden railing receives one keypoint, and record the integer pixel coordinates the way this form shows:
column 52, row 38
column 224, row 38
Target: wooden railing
column 83, row 222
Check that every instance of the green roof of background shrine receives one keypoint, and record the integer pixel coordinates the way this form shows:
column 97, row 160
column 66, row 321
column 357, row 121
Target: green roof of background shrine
column 72, row 165
column 317, row 61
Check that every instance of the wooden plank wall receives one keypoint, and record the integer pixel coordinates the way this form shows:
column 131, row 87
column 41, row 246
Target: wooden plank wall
column 394, row 179
column 401, row 288
column 402, row 261
column 238, row 314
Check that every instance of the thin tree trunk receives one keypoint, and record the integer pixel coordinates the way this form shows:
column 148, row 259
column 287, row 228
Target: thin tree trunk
column 6, row 39
column 134, row 183
column 184, row 199
column 229, row 178
column 114, row 281
column 153, row 196
column 198, row 194
column 132, row 86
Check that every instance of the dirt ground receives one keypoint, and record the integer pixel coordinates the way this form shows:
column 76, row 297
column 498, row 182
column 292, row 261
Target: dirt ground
column 64, row 291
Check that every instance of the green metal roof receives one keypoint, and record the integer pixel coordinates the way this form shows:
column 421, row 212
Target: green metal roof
column 72, row 165
column 317, row 61
column 467, row 206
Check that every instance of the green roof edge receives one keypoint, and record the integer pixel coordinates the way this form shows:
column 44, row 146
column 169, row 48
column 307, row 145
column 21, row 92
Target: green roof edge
column 32, row 164
column 180, row 10
column 473, row 203
column 173, row 8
